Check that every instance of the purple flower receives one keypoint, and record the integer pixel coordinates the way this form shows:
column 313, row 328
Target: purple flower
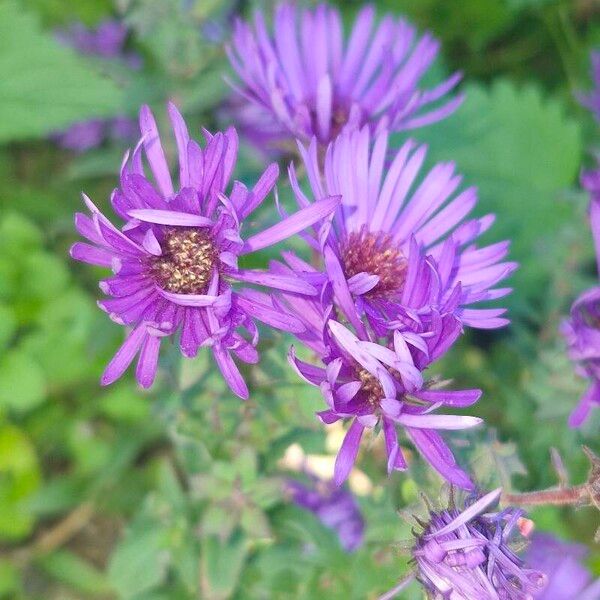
column 465, row 554
column 176, row 256
column 592, row 100
column 82, row 136
column 386, row 220
column 107, row 41
column 312, row 83
column 335, row 507
column 374, row 383
column 582, row 330
column 561, row 562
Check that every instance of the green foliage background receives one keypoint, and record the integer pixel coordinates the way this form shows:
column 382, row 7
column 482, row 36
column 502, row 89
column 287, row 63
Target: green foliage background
column 176, row 494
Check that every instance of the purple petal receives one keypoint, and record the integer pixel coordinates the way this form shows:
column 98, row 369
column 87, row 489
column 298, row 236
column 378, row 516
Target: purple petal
column 458, row 398
column 230, row 372
column 260, row 191
column 469, row 513
column 361, row 283
column 193, row 300
column 426, row 421
column 91, row 255
column 124, row 356
column 347, row 453
column 280, row 282
column 151, row 244
column 269, row 315
column 170, row 217
column 438, row 455
column 341, row 290
column 148, row 361
column 300, row 220
column 155, row 152
column 182, row 138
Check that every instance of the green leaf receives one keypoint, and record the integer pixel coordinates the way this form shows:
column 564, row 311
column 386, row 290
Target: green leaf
column 8, row 325
column 57, row 11
column 522, row 152
column 22, row 381
column 255, row 523
column 221, row 565
column 511, row 135
column 44, row 276
column 125, row 404
column 19, row 478
column 57, row 496
column 140, row 561
column 68, row 568
column 186, row 559
column 520, row 4
column 219, row 521
column 10, row 580
column 61, row 342
column 18, row 235
column 45, row 86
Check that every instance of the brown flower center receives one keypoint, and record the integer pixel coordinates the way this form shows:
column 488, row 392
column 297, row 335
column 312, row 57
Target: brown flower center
column 187, row 260
column 371, row 387
column 377, row 254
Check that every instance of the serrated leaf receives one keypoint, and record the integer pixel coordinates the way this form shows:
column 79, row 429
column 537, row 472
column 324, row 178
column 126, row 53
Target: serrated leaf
column 45, row 86
column 511, row 136
column 521, row 151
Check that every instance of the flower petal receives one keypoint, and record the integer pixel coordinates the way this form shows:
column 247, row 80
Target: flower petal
column 347, row 453
column 170, row 217
column 292, row 225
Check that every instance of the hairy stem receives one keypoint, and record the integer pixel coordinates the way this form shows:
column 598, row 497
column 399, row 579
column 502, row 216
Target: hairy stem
column 556, row 497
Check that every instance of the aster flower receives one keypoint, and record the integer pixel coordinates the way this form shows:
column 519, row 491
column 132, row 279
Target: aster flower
column 107, row 42
column 592, row 99
column 386, row 220
column 175, row 258
column 335, row 507
column 465, row 554
column 562, row 562
column 312, row 83
column 582, row 329
column 375, row 384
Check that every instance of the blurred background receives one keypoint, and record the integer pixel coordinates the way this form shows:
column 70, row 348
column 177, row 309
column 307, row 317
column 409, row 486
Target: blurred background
column 177, row 493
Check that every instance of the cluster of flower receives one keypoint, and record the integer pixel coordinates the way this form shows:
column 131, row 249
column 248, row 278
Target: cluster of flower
column 396, row 269
column 106, row 42
column 395, row 273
